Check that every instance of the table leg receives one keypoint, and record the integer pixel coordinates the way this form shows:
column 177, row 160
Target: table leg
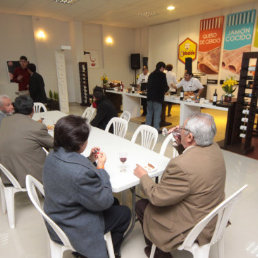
column 130, row 229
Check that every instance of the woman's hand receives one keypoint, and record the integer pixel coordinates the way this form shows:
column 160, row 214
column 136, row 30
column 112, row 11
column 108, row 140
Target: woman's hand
column 93, row 154
column 101, row 156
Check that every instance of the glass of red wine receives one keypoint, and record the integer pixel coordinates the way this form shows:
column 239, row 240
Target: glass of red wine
column 123, row 158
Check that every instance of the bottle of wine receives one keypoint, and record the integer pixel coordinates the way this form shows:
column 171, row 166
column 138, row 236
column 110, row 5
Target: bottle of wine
column 182, row 94
column 243, row 127
column 133, row 89
column 245, row 111
column 215, row 96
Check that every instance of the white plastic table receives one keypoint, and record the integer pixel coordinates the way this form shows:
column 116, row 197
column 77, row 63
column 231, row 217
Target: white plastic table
column 112, row 145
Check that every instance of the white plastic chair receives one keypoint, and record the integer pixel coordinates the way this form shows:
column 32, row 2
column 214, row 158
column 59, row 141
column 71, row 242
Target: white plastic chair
column 126, row 115
column 37, row 106
column 56, row 249
column 44, row 149
column 165, row 143
column 89, row 113
column 149, row 136
column 120, row 126
column 7, row 195
column 223, row 211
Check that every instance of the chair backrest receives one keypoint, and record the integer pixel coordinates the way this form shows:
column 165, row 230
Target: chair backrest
column 165, row 143
column 89, row 113
column 149, row 136
column 37, row 106
column 223, row 211
column 120, row 126
column 9, row 175
column 32, row 184
column 126, row 115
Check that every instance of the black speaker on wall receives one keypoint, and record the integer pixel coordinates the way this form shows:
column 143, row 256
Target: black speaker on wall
column 188, row 64
column 145, row 61
column 135, row 61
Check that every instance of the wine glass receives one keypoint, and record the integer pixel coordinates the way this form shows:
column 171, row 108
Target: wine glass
column 123, row 158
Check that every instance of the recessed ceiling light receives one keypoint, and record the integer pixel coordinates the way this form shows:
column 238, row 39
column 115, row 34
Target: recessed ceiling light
column 70, row 2
column 171, row 8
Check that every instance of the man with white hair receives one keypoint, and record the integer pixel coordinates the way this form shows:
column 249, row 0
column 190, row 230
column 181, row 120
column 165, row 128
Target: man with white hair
column 191, row 186
column 6, row 107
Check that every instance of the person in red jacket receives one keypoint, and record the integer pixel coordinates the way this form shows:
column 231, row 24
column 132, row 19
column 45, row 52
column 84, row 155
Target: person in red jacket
column 22, row 76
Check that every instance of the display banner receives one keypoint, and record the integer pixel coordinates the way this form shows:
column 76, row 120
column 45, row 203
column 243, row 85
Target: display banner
column 188, row 48
column 210, row 39
column 238, row 39
column 256, row 35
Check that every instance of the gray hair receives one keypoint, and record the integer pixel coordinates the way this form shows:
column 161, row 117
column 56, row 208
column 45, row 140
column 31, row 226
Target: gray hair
column 203, row 128
column 2, row 97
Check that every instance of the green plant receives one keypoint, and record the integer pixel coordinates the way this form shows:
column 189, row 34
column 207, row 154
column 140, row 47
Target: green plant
column 50, row 94
column 55, row 96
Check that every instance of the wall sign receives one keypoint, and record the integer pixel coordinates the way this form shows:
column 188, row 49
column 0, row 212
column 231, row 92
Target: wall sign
column 210, row 39
column 238, row 39
column 188, row 48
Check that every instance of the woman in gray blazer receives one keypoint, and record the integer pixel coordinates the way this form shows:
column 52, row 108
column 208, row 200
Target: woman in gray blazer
column 78, row 194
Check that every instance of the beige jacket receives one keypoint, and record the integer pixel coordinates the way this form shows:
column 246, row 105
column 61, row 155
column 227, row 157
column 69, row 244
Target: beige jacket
column 21, row 142
column 191, row 186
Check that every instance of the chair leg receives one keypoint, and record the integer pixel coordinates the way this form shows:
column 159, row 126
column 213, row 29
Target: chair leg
column 56, row 250
column 123, row 197
column 3, row 203
column 9, row 198
column 220, row 248
column 153, row 249
column 109, row 244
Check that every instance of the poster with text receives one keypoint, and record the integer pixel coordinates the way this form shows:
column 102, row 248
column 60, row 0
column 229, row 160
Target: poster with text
column 238, row 39
column 210, row 39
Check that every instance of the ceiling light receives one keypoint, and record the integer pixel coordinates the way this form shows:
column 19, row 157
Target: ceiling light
column 171, row 8
column 66, row 1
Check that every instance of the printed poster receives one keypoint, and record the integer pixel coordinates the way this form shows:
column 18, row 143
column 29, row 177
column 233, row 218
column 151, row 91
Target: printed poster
column 210, row 40
column 238, row 39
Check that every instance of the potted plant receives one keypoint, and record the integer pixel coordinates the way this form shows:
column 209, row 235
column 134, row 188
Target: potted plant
column 104, row 80
column 229, row 87
column 53, row 101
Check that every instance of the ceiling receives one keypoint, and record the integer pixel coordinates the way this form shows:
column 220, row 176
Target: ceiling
column 124, row 13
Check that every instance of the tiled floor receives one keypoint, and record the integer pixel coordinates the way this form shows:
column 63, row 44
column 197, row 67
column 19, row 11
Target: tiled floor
column 29, row 239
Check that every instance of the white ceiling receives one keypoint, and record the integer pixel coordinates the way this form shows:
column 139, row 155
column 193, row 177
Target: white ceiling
column 124, row 13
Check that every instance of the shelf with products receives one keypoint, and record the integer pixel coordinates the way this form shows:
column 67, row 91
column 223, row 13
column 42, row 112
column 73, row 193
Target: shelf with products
column 83, row 72
column 246, row 103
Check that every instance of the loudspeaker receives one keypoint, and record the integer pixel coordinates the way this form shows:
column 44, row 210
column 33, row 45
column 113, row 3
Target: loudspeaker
column 145, row 61
column 188, row 64
column 135, row 61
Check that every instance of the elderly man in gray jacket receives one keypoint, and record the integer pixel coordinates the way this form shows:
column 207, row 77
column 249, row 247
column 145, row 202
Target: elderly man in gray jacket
column 6, row 107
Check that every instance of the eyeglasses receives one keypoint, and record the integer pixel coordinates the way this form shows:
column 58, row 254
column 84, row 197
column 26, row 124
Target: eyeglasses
column 185, row 129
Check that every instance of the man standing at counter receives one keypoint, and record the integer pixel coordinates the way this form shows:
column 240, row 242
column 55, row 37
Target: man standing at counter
column 142, row 84
column 190, row 84
column 156, row 89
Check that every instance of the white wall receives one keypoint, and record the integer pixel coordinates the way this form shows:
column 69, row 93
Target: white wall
column 114, row 60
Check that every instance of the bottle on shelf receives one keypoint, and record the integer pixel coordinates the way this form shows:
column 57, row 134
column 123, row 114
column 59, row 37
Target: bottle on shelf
column 133, row 89
column 242, row 135
column 243, row 127
column 244, row 119
column 215, row 97
column 182, row 94
column 245, row 111
column 121, row 86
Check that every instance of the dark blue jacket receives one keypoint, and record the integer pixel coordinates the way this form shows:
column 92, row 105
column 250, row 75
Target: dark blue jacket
column 76, row 194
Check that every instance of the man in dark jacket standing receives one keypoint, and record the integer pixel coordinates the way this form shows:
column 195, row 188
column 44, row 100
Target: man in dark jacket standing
column 105, row 109
column 36, row 85
column 156, row 89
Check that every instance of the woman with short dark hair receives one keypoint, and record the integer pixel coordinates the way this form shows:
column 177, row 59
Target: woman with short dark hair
column 105, row 109
column 78, row 194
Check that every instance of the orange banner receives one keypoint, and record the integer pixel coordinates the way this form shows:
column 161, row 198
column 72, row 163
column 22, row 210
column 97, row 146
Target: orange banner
column 210, row 39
